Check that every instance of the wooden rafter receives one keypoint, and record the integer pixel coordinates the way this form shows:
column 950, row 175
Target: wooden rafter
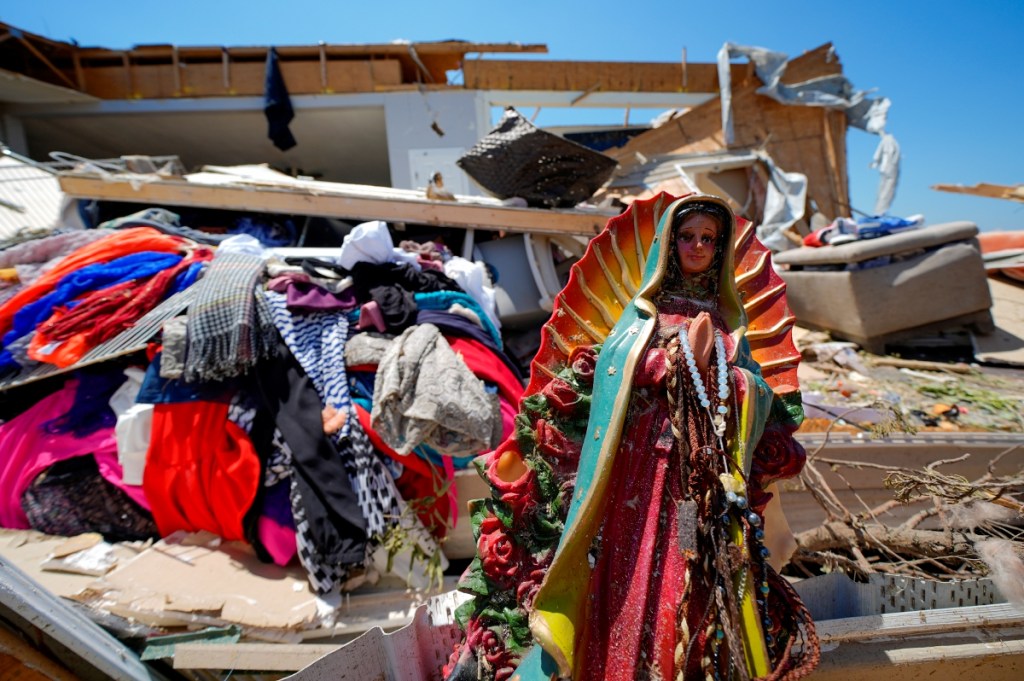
column 992, row 191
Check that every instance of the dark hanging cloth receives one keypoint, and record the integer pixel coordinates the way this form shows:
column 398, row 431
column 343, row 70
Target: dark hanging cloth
column 277, row 105
column 166, row 222
column 329, row 504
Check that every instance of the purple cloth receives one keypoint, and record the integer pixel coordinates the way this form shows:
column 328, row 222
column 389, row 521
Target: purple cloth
column 26, row 450
column 304, row 296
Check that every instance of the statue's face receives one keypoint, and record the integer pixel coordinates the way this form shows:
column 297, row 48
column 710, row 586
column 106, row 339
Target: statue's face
column 695, row 243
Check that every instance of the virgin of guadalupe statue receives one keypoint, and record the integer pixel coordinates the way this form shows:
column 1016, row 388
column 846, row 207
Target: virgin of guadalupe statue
column 625, row 537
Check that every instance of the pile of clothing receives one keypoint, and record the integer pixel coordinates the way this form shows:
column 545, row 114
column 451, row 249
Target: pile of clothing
column 314, row 408
column 847, row 230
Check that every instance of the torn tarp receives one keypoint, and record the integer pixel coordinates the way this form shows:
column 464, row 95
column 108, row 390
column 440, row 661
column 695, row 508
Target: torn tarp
column 833, row 91
column 784, row 204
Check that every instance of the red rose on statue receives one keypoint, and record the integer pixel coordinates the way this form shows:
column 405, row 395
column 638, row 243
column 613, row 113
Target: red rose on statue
column 528, row 588
column 777, row 456
column 561, row 396
column 520, row 494
column 583, row 361
column 500, row 557
column 758, row 499
column 489, row 647
column 553, row 443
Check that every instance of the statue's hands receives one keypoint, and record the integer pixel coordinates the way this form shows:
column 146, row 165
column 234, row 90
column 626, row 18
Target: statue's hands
column 702, row 337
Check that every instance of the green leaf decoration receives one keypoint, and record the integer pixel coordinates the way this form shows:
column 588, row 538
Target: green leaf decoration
column 473, row 580
column 519, row 627
column 464, row 612
column 503, row 512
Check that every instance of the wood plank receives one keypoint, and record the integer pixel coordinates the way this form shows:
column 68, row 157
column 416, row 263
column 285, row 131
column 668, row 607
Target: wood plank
column 792, row 135
column 206, row 79
column 942, row 656
column 994, row 191
column 357, row 202
column 20, row 661
column 496, row 74
column 921, row 622
column 834, row 143
column 815, row 63
column 267, row 657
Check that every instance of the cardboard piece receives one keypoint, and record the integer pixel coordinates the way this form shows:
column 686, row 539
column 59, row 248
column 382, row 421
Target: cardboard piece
column 189, row 579
column 28, row 550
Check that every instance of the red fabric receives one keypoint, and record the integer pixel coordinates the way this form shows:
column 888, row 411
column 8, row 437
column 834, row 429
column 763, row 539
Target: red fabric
column 106, row 249
column 485, row 365
column 103, row 314
column 202, row 471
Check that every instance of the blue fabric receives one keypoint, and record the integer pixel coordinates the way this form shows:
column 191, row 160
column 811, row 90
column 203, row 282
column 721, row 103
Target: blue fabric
column 360, row 385
column 277, row 105
column 185, row 279
column 87, row 279
column 91, row 409
column 277, row 504
column 874, row 226
column 442, row 300
column 158, row 390
column 7, row 364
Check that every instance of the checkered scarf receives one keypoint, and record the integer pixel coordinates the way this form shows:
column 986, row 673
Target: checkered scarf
column 229, row 323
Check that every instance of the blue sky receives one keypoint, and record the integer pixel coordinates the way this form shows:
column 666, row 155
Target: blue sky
column 951, row 69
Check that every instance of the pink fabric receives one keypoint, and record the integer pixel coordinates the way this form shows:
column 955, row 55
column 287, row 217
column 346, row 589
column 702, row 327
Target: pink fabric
column 431, row 264
column 371, row 316
column 279, row 541
column 26, row 450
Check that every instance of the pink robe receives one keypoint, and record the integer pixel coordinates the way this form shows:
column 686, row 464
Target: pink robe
column 639, row 579
column 26, row 450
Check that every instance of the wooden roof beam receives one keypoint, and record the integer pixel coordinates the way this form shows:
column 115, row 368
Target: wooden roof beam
column 449, row 47
column 992, row 191
column 594, row 76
